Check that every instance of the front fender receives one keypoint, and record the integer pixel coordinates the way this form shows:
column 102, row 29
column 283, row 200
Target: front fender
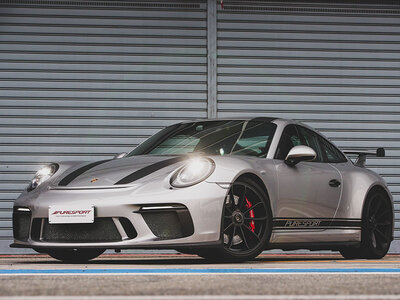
column 229, row 168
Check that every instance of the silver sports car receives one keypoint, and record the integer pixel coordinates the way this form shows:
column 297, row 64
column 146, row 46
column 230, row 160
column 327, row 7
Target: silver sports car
column 222, row 189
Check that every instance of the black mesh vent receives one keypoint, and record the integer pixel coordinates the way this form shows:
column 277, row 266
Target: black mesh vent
column 128, row 228
column 169, row 224
column 21, row 225
column 102, row 230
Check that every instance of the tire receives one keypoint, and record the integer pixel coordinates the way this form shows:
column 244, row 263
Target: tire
column 75, row 255
column 376, row 228
column 351, row 253
column 246, row 224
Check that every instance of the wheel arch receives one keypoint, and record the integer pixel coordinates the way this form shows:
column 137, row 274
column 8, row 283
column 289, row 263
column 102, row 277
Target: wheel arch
column 379, row 188
column 259, row 182
column 255, row 178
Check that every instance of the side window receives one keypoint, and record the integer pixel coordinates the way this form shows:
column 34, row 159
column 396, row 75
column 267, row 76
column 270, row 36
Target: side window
column 332, row 154
column 310, row 139
column 289, row 139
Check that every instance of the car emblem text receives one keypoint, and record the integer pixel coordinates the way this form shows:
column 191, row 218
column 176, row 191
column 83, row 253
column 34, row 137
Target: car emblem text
column 71, row 212
column 302, row 223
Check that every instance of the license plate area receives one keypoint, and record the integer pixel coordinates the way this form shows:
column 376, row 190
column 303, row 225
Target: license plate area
column 71, row 214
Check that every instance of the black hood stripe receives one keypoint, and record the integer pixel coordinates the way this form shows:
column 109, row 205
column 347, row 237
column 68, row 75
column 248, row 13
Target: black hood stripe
column 150, row 169
column 72, row 176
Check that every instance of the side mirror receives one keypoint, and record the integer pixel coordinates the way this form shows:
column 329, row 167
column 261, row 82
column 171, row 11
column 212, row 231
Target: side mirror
column 121, row 155
column 298, row 154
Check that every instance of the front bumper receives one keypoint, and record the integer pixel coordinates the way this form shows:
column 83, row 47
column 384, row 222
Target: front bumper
column 203, row 203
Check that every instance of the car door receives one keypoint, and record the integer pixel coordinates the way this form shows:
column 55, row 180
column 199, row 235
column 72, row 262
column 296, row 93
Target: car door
column 308, row 190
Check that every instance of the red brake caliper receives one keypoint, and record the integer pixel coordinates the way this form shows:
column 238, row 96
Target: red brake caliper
column 251, row 212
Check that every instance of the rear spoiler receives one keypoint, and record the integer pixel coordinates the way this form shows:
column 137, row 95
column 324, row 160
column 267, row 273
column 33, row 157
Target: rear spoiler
column 362, row 155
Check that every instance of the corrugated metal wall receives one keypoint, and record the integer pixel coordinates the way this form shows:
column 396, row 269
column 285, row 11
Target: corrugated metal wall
column 334, row 66
column 82, row 80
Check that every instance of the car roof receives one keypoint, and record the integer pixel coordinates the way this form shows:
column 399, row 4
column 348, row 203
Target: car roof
column 265, row 119
column 278, row 121
column 270, row 119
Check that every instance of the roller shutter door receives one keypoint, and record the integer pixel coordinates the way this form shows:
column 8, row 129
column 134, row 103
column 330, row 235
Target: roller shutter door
column 83, row 80
column 334, row 65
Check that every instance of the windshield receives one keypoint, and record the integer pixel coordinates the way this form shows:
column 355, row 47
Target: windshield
column 237, row 137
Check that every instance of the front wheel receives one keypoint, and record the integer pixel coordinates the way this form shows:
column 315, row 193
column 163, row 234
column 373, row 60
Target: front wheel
column 377, row 229
column 246, row 225
column 75, row 255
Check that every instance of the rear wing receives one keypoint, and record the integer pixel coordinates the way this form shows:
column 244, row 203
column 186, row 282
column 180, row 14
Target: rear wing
column 362, row 155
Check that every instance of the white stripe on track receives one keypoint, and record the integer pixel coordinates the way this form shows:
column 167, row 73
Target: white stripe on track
column 211, row 297
column 183, row 271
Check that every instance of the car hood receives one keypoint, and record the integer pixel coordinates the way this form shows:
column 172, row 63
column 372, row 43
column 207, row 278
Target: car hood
column 117, row 172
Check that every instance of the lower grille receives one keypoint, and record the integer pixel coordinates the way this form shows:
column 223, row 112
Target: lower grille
column 21, row 225
column 102, row 230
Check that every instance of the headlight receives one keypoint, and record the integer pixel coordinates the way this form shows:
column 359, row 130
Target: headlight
column 42, row 175
column 194, row 171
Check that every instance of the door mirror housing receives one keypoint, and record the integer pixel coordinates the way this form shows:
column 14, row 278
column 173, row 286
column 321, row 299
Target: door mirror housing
column 120, row 155
column 298, row 154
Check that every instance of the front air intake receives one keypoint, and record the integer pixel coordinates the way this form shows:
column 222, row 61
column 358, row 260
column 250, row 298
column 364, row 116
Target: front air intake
column 168, row 223
column 21, row 223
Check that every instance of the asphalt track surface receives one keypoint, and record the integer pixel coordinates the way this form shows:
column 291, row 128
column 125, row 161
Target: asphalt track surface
column 178, row 276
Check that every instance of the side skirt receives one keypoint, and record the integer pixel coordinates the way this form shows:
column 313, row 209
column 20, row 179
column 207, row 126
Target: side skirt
column 315, row 234
column 334, row 246
column 311, row 223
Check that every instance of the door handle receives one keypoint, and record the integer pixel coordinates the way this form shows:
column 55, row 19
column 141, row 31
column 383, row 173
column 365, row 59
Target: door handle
column 334, row 183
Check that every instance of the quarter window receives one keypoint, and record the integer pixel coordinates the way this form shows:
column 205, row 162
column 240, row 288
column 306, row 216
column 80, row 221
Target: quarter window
column 310, row 139
column 332, row 154
column 289, row 139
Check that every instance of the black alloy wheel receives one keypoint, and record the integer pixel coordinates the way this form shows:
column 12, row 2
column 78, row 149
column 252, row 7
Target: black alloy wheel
column 246, row 224
column 377, row 229
column 75, row 255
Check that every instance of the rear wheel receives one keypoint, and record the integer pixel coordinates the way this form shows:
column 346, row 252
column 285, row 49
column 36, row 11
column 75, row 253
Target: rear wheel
column 246, row 225
column 75, row 255
column 377, row 227
column 351, row 253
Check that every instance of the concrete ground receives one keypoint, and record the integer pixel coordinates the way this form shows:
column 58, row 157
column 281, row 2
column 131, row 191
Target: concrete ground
column 178, row 276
